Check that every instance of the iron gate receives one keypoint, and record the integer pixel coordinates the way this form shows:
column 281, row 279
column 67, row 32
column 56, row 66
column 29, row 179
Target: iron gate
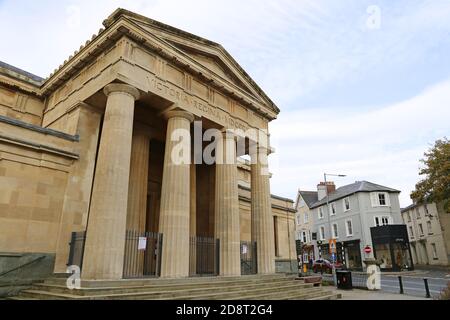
column 204, row 256
column 142, row 254
column 76, row 252
column 248, row 258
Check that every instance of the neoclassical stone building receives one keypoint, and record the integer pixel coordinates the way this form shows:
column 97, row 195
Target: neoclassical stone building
column 88, row 150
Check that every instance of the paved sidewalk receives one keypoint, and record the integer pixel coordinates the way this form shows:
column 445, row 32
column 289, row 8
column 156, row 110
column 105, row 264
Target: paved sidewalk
column 356, row 294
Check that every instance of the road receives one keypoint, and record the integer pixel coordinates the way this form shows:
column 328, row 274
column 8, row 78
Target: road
column 413, row 284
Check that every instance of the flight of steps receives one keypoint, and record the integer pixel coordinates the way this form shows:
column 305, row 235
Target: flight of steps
column 273, row 287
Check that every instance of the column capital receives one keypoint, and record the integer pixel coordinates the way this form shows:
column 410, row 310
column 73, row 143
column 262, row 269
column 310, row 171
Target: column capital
column 123, row 88
column 178, row 113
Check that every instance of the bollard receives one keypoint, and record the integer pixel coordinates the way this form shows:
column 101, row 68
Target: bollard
column 427, row 288
column 401, row 285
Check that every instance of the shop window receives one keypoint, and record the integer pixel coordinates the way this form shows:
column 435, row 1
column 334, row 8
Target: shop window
column 383, row 253
column 401, row 256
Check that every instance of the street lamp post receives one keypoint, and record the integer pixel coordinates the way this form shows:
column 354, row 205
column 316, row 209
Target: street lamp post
column 329, row 214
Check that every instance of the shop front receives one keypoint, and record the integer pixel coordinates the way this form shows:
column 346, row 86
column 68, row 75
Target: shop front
column 391, row 247
column 348, row 254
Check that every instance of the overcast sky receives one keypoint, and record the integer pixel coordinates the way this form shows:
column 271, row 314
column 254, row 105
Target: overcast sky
column 363, row 90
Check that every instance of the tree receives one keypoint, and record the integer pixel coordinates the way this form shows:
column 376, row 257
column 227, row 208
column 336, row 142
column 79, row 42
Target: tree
column 435, row 187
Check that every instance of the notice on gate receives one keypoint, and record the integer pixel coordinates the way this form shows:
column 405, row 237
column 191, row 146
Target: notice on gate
column 142, row 243
column 244, row 249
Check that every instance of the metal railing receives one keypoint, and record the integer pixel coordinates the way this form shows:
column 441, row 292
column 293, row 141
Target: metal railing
column 249, row 264
column 204, row 256
column 76, row 252
column 18, row 268
column 142, row 257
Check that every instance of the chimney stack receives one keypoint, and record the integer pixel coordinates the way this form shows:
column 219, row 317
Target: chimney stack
column 323, row 187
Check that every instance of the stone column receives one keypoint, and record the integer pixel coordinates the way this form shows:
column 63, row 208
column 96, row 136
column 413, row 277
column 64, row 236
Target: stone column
column 138, row 185
column 105, row 241
column 262, row 218
column 193, row 217
column 137, row 195
column 227, row 207
column 174, row 221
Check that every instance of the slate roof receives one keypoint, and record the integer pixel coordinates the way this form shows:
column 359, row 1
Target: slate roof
column 21, row 72
column 310, row 197
column 359, row 186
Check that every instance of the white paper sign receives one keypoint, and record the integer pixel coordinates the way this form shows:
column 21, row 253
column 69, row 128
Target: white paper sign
column 244, row 249
column 142, row 243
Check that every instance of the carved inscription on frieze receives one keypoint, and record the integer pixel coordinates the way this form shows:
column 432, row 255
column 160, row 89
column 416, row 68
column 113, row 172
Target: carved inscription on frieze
column 194, row 104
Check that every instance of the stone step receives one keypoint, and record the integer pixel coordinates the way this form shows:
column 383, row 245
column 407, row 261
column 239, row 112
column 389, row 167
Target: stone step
column 156, row 281
column 220, row 292
column 331, row 296
column 223, row 286
column 243, row 294
column 284, row 295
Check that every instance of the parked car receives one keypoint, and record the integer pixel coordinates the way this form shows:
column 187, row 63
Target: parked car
column 325, row 266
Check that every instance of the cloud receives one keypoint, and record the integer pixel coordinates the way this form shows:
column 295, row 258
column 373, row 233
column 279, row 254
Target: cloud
column 383, row 144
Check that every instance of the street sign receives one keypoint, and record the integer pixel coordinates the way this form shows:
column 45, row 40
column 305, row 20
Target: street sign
column 368, row 250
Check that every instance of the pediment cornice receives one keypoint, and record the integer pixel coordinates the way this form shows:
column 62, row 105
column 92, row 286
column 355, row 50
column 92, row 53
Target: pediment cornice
column 120, row 24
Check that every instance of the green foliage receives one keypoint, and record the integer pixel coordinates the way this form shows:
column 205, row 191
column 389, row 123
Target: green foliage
column 445, row 294
column 435, row 187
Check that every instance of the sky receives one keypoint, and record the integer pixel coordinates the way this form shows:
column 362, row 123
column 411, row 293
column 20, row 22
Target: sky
column 363, row 86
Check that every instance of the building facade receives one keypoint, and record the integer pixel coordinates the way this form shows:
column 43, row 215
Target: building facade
column 304, row 222
column 427, row 226
column 348, row 218
column 90, row 150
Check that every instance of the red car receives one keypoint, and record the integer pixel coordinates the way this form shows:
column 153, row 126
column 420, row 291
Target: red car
column 325, row 266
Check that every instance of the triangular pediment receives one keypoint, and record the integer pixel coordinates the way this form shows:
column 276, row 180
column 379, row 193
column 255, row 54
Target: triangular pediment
column 207, row 54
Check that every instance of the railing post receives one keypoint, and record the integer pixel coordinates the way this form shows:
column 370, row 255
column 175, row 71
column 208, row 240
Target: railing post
column 427, row 288
column 72, row 248
column 217, row 257
column 401, row 285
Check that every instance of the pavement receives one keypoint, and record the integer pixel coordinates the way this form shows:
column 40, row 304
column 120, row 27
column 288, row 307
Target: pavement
column 357, row 294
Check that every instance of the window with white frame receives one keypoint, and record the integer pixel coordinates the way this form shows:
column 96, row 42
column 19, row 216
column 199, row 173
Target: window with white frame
column 298, row 218
column 421, row 230
column 306, row 217
column 380, row 199
column 333, row 209
column 409, row 216
column 322, row 233
column 346, row 204
column 320, row 213
column 382, row 221
column 435, row 254
column 304, row 237
column 411, row 232
column 298, row 235
column 335, row 231
column 417, row 213
column 349, row 228
column 429, row 227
